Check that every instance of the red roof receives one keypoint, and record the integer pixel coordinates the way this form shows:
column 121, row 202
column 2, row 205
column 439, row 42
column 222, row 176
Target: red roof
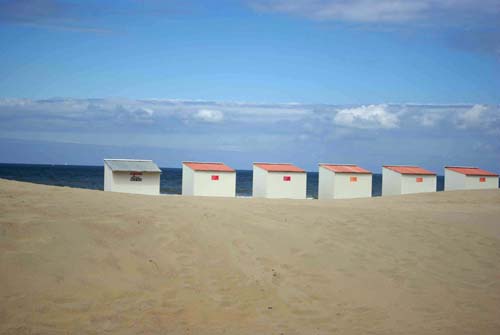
column 471, row 171
column 409, row 170
column 199, row 166
column 345, row 168
column 279, row 167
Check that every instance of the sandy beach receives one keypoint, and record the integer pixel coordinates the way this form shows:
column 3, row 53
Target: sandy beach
column 78, row 261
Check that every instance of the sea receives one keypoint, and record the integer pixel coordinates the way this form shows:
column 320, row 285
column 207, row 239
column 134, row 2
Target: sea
column 92, row 177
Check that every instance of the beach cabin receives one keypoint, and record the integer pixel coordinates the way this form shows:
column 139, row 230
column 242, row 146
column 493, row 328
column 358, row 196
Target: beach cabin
column 344, row 181
column 279, row 180
column 397, row 179
column 468, row 178
column 208, row 179
column 131, row 176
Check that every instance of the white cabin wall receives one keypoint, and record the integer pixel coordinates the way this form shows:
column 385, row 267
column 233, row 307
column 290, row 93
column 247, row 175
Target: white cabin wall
column 108, row 178
column 472, row 183
column 325, row 183
column 205, row 186
column 187, row 180
column 150, row 183
column 259, row 181
column 345, row 189
column 453, row 180
column 391, row 182
column 293, row 189
column 410, row 184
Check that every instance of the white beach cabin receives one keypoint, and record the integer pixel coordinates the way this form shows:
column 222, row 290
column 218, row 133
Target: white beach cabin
column 468, row 178
column 208, row 179
column 279, row 180
column 131, row 176
column 397, row 179
column 344, row 181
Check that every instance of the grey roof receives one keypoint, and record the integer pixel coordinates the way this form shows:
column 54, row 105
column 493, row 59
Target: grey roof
column 138, row 165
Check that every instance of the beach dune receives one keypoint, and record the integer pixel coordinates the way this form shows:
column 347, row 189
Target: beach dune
column 82, row 261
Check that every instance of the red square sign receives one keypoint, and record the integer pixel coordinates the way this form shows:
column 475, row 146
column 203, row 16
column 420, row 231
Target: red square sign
column 354, row 179
column 215, row 177
column 482, row 179
column 420, row 180
column 287, row 178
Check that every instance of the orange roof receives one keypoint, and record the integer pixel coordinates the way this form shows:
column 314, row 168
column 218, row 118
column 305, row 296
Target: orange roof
column 409, row 170
column 471, row 171
column 279, row 167
column 200, row 166
column 345, row 168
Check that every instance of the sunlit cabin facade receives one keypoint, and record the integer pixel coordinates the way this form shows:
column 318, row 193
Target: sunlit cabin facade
column 468, row 178
column 132, row 176
column 208, row 179
column 398, row 179
column 279, row 180
column 343, row 181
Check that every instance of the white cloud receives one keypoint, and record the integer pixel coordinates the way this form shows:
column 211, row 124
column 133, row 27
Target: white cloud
column 430, row 119
column 261, row 131
column 175, row 115
column 367, row 117
column 209, row 115
column 147, row 111
column 370, row 11
column 472, row 118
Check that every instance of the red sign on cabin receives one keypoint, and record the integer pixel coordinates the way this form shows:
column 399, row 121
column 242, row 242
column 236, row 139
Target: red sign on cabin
column 135, row 176
column 287, row 178
column 215, row 177
column 420, row 180
column 482, row 179
column 354, row 179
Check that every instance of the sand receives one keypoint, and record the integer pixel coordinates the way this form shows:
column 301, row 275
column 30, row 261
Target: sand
column 89, row 262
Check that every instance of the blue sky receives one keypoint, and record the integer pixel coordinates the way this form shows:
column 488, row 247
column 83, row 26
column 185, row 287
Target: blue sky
column 367, row 82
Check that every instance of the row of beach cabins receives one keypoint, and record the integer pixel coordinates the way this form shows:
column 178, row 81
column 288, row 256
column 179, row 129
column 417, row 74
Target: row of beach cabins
column 283, row 180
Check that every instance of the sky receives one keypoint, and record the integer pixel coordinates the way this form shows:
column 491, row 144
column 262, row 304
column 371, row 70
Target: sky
column 306, row 81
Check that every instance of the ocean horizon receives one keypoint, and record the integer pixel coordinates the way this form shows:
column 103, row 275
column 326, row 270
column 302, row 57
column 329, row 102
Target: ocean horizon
column 92, row 177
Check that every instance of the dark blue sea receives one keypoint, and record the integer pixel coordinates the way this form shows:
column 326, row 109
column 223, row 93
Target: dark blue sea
column 92, row 177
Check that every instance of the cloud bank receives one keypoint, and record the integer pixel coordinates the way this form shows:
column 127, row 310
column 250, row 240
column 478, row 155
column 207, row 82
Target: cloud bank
column 366, row 117
column 239, row 133
column 208, row 115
